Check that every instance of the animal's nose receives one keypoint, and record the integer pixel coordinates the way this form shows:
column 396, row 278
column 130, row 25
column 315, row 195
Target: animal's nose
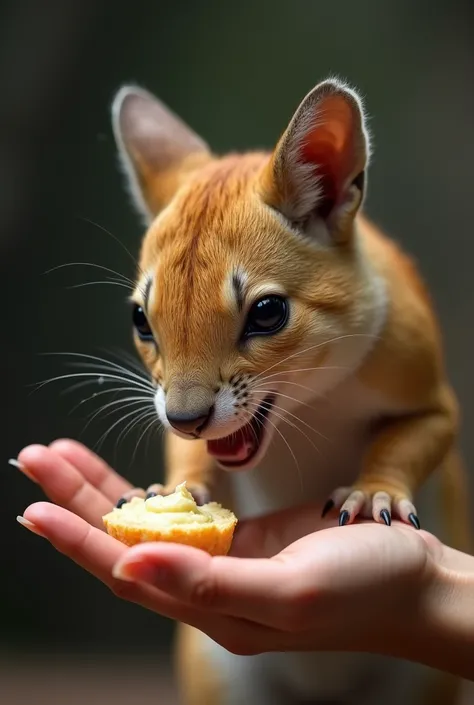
column 191, row 423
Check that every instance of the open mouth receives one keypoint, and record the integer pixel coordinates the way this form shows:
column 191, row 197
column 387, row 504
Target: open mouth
column 241, row 447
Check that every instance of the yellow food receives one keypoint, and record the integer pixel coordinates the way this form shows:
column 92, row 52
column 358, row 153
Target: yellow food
column 175, row 518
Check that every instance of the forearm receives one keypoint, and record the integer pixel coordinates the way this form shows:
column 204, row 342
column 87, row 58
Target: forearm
column 406, row 452
column 440, row 630
column 187, row 461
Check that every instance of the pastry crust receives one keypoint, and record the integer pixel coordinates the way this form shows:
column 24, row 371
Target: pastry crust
column 209, row 527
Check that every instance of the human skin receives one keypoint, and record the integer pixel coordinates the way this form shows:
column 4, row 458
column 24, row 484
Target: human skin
column 292, row 582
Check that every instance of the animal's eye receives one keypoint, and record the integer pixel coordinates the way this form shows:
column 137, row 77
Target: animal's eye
column 141, row 323
column 267, row 316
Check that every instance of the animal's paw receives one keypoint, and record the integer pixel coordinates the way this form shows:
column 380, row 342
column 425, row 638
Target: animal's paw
column 380, row 504
column 200, row 493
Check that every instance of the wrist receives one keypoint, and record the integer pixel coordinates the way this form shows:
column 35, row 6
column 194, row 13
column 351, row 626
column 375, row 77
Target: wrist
column 438, row 626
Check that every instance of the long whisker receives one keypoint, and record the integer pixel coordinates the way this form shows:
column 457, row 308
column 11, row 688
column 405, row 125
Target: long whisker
column 107, row 391
column 126, row 403
column 110, row 282
column 128, row 358
column 104, row 361
column 128, row 428
column 158, row 428
column 117, row 240
column 121, row 404
column 322, row 396
column 114, row 425
column 275, row 406
column 295, row 384
column 259, row 413
column 315, row 347
column 75, row 387
column 304, row 369
column 78, row 375
column 131, row 426
column 293, row 425
column 105, row 370
column 132, row 377
column 153, row 421
column 92, row 264
column 285, row 396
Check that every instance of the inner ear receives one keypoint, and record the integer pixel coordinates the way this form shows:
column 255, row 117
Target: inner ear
column 156, row 148
column 329, row 149
column 318, row 167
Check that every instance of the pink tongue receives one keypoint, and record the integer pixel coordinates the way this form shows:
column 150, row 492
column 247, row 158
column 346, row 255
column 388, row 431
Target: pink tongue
column 237, row 446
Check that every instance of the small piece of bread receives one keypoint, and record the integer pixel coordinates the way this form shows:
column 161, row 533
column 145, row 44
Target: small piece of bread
column 175, row 518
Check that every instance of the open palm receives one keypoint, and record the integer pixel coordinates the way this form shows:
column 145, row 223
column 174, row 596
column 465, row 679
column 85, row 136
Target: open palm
column 292, row 582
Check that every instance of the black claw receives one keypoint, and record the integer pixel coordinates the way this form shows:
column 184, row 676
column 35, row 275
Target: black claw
column 149, row 495
column 385, row 515
column 344, row 517
column 327, row 508
column 414, row 520
column 121, row 502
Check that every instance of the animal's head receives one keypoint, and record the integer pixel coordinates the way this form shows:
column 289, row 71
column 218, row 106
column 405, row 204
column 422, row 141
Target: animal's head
column 252, row 287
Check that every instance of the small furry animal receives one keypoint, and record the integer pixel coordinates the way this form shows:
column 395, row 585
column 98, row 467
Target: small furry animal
column 296, row 355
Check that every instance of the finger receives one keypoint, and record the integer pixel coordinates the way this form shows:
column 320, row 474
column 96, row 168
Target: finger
column 94, row 469
column 98, row 553
column 93, row 550
column 264, row 591
column 64, row 484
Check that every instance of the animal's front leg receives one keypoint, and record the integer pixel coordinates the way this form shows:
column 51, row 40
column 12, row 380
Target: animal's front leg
column 185, row 461
column 401, row 457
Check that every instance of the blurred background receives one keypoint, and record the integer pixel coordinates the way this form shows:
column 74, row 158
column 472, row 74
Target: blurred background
column 235, row 72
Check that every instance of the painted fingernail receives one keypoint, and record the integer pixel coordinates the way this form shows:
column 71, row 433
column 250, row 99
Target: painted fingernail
column 343, row 518
column 16, row 464
column 121, row 502
column 385, row 516
column 414, row 521
column 149, row 495
column 327, row 508
column 30, row 526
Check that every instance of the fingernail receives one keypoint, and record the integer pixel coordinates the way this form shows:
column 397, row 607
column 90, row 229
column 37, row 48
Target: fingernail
column 16, row 464
column 30, row 526
column 140, row 572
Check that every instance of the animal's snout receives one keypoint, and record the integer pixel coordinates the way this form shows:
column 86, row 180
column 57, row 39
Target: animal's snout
column 192, row 423
column 189, row 409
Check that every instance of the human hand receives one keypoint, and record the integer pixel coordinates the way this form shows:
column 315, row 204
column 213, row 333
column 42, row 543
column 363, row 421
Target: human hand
column 292, row 582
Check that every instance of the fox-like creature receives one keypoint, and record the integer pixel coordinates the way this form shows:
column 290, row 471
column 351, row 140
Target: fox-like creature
column 296, row 356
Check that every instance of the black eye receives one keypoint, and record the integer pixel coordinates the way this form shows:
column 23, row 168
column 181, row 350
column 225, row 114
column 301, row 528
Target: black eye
column 141, row 324
column 267, row 316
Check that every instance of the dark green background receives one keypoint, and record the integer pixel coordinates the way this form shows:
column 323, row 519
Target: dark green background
column 236, row 72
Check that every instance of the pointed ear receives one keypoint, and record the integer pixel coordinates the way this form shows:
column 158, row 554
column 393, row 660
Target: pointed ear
column 316, row 175
column 156, row 148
